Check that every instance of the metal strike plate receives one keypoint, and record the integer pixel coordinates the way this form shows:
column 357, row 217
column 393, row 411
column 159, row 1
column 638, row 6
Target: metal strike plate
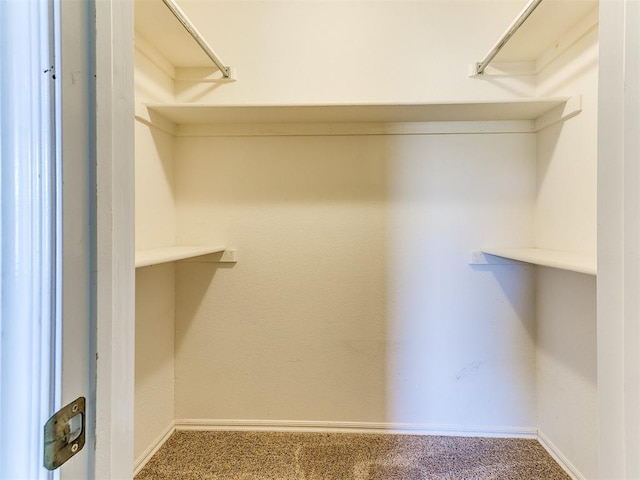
column 64, row 434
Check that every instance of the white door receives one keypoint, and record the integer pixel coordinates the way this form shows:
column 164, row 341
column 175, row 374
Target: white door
column 47, row 125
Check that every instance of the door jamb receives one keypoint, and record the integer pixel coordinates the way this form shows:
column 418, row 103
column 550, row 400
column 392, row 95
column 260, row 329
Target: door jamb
column 115, row 297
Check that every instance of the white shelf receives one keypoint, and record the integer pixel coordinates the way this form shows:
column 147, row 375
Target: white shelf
column 154, row 256
column 505, row 110
column 574, row 262
column 545, row 29
column 157, row 25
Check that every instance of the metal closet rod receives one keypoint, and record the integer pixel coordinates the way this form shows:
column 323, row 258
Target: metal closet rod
column 513, row 28
column 186, row 23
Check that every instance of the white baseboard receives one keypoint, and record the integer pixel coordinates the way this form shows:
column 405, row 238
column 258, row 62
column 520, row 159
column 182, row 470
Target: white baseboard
column 559, row 457
column 355, row 427
column 151, row 450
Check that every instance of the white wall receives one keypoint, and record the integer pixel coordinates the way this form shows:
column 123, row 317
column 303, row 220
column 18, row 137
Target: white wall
column 353, row 299
column 565, row 219
column 154, row 374
column 566, row 200
column 155, row 304
column 566, row 366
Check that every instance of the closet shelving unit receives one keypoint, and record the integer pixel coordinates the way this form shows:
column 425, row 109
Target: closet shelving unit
column 185, row 45
column 524, row 115
column 157, row 26
column 539, row 40
column 521, row 115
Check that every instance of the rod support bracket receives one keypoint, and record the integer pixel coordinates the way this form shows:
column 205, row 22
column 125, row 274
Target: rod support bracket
column 474, row 70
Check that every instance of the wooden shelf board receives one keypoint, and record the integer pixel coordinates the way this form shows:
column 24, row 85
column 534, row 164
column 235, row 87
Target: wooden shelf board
column 154, row 256
column 574, row 262
column 520, row 109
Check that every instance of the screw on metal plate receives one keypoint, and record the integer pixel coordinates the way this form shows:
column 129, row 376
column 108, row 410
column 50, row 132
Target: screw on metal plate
column 64, row 434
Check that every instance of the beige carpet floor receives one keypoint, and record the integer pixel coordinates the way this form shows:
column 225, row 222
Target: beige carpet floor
column 316, row 456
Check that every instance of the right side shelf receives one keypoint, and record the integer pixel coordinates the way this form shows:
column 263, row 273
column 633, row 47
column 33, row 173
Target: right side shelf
column 553, row 27
column 574, row 262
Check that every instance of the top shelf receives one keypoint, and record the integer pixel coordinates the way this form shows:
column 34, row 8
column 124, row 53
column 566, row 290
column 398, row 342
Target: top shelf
column 506, row 110
column 157, row 25
column 544, row 30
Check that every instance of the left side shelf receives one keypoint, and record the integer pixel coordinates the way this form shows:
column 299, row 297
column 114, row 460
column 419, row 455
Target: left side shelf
column 154, row 256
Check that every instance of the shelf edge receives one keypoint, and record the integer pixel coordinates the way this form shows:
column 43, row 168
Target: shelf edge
column 155, row 256
column 573, row 262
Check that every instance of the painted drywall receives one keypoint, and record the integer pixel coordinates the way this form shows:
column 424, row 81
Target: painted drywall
column 154, row 372
column 155, row 218
column 352, row 51
column 154, row 209
column 565, row 219
column 155, row 301
column 566, row 365
column 153, row 80
column 566, row 200
column 352, row 299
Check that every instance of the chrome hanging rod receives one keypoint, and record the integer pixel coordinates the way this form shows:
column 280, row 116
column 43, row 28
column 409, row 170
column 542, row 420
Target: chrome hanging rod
column 513, row 28
column 189, row 27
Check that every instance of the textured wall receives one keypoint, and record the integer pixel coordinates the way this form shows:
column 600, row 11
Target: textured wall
column 155, row 286
column 154, row 376
column 565, row 219
column 352, row 299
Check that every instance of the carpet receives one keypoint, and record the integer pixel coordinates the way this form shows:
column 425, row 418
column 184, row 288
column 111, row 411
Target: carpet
column 212, row 455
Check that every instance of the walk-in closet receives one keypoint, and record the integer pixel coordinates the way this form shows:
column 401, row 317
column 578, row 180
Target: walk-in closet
column 359, row 226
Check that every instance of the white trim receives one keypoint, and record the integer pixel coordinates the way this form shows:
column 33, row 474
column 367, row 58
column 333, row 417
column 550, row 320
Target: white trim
column 152, row 449
column 355, row 427
column 29, row 223
column 618, row 240
column 559, row 457
column 77, row 149
column 115, row 274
